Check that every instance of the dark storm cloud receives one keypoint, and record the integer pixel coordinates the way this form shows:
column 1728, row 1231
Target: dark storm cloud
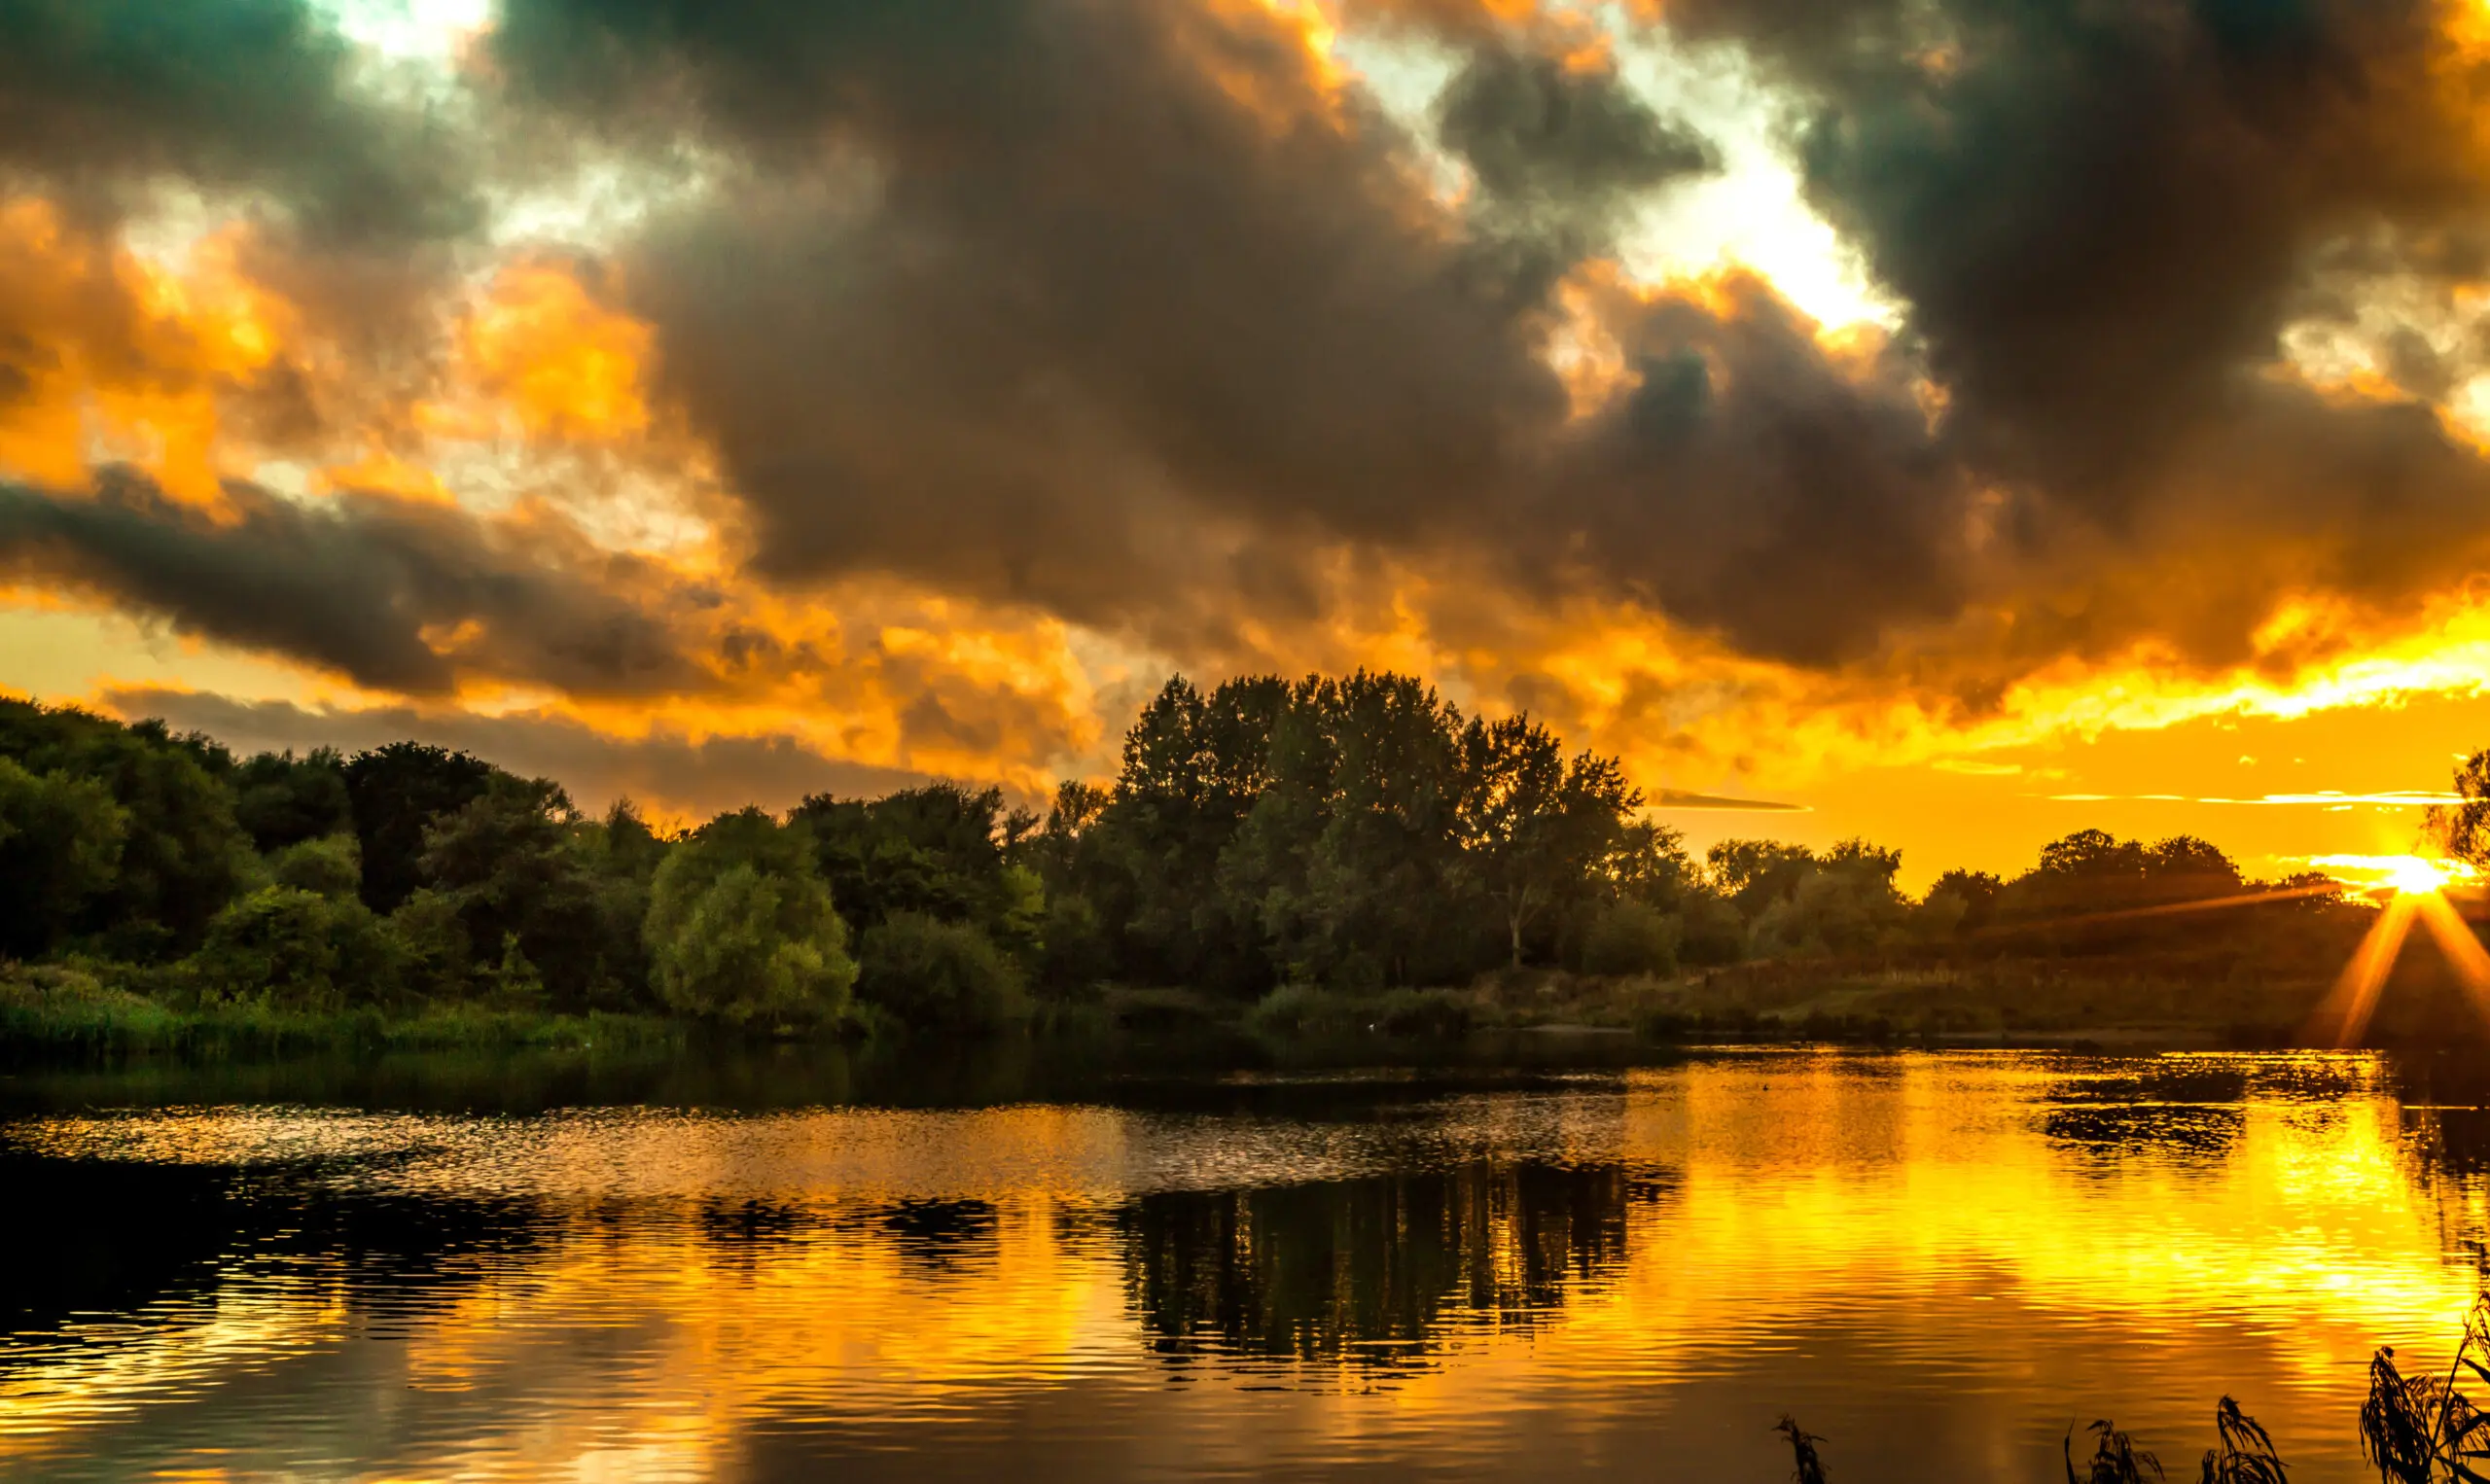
column 1558, row 146
column 98, row 96
column 701, row 778
column 1115, row 309
column 350, row 585
column 1746, row 479
column 1112, row 307
column 2102, row 215
column 1061, row 271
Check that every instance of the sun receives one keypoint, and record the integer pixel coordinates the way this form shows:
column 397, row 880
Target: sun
column 2415, row 876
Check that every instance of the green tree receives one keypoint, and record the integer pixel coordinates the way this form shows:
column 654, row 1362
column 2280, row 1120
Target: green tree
column 1194, row 766
column 280, row 799
column 60, row 845
column 1754, row 875
column 1844, row 903
column 1631, row 937
column 941, row 850
column 741, row 929
column 397, row 794
column 523, row 869
column 939, row 976
column 1977, row 892
column 1535, row 830
column 182, row 856
column 329, row 864
column 296, row 949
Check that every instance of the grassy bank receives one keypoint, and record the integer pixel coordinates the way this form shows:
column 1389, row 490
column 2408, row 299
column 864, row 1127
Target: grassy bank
column 59, row 1012
column 69, row 1011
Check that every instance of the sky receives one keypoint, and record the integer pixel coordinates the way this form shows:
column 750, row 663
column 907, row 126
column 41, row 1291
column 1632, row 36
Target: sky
column 1957, row 422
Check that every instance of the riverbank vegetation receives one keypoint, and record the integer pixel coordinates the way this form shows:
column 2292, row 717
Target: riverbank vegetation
column 1287, row 857
column 2413, row 1430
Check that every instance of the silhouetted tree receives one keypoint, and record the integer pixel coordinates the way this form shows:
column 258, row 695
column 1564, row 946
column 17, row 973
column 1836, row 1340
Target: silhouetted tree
column 396, row 792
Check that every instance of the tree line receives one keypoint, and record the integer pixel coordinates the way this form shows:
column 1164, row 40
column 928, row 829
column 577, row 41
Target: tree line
column 1347, row 833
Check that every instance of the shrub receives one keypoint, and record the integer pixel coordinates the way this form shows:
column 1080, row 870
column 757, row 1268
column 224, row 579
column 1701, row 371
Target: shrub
column 297, row 950
column 1631, row 937
column 1293, row 1009
column 432, row 945
column 1433, row 1013
column 60, row 847
column 331, row 866
column 747, row 947
column 934, row 976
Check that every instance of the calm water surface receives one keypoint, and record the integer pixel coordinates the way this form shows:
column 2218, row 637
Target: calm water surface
column 1938, row 1261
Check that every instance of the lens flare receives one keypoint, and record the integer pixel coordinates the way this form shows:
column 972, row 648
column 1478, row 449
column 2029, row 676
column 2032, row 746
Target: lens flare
column 2416, row 877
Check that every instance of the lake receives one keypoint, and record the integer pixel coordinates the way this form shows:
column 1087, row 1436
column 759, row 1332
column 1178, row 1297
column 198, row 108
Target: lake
column 1939, row 1261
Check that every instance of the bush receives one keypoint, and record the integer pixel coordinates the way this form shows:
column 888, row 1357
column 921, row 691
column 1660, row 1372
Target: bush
column 61, row 846
column 1434, row 1013
column 331, row 866
column 934, row 976
column 1293, row 1009
column 431, row 939
column 296, row 949
column 1710, row 931
column 1631, row 937
column 748, row 948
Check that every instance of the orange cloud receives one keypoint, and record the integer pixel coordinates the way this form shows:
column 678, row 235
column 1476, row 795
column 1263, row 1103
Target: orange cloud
column 567, row 365
column 122, row 357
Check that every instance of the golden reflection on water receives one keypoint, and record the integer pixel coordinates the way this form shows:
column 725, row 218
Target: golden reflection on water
column 1935, row 1262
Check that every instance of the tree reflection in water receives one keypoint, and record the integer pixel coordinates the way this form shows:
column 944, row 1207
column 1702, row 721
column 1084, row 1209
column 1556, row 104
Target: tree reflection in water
column 1375, row 1271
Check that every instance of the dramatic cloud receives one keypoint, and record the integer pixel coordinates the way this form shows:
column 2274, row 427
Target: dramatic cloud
column 1108, row 307
column 398, row 595
column 100, row 97
column 1560, row 153
column 951, row 370
column 664, row 770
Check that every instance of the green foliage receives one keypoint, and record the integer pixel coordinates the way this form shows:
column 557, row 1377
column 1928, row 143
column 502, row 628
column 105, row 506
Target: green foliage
column 1535, row 831
column 280, row 799
column 60, row 845
column 1977, row 894
column 434, row 947
column 1437, row 1014
column 1631, row 937
column 1710, row 931
column 296, row 950
column 1293, row 1009
column 182, row 856
column 526, row 873
column 740, row 929
column 1074, row 948
column 934, row 850
column 942, row 977
column 1843, row 902
column 397, row 794
column 331, row 866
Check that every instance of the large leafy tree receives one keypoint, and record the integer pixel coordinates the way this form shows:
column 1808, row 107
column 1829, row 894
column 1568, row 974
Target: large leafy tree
column 741, row 929
column 518, row 866
column 397, row 794
column 182, row 858
column 1535, row 828
column 60, row 845
column 280, row 799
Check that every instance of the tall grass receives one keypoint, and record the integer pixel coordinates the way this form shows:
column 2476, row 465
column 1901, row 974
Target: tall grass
column 57, row 1011
column 2115, row 1457
column 2415, row 1430
column 1803, row 1444
column 2424, row 1430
